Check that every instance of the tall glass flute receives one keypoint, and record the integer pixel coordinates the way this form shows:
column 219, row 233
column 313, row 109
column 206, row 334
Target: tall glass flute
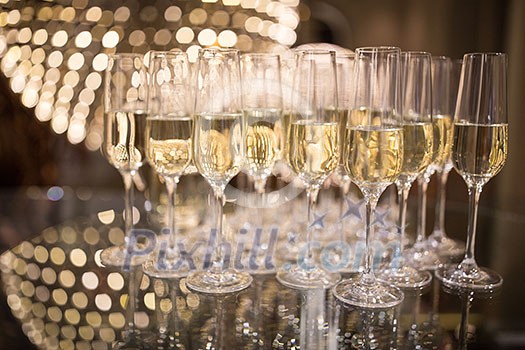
column 169, row 133
column 479, row 152
column 262, row 112
column 416, row 108
column 373, row 157
column 313, row 152
column 445, row 80
column 218, row 155
column 125, row 90
column 345, row 71
column 421, row 256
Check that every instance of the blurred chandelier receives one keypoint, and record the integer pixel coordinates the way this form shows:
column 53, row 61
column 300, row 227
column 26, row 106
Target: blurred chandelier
column 54, row 52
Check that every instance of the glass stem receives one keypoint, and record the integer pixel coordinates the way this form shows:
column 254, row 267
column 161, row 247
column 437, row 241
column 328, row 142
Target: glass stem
column 345, row 189
column 439, row 221
column 127, row 177
column 217, row 265
column 132, row 300
column 422, row 208
column 469, row 263
column 402, row 193
column 311, row 196
column 260, row 185
column 171, row 188
column 370, row 202
column 466, row 302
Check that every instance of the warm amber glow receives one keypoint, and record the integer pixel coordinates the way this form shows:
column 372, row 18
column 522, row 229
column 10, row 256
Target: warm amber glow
column 54, row 55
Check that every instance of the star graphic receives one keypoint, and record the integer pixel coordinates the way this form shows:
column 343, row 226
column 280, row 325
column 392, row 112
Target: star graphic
column 292, row 237
column 354, row 208
column 380, row 218
column 318, row 221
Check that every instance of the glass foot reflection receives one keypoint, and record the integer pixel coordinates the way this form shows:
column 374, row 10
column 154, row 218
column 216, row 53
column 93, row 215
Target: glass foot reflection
column 168, row 266
column 357, row 291
column 420, row 257
column 221, row 282
column 463, row 276
column 299, row 278
column 405, row 276
column 118, row 256
column 446, row 247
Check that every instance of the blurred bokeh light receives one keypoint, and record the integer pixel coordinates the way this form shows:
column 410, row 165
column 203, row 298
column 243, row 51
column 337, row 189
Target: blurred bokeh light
column 54, row 52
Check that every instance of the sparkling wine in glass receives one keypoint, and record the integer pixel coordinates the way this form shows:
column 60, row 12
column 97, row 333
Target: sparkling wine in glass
column 416, row 109
column 479, row 152
column 125, row 92
column 169, row 134
column 373, row 157
column 313, row 153
column 445, row 80
column 262, row 113
column 218, row 155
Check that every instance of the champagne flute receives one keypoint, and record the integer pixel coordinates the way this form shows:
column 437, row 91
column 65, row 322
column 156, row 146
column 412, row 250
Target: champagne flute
column 373, row 157
column 169, row 133
column 445, row 79
column 262, row 112
column 421, row 256
column 345, row 70
column 218, row 154
column 125, row 90
column 479, row 152
column 313, row 151
column 416, row 106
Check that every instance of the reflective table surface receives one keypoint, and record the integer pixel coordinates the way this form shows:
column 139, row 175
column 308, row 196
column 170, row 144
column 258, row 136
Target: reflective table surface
column 64, row 298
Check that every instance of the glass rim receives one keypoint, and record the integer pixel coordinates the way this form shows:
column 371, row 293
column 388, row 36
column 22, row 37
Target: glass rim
column 385, row 49
column 441, row 58
column 125, row 54
column 215, row 49
column 160, row 53
column 315, row 52
column 345, row 55
column 260, row 54
column 487, row 54
column 416, row 54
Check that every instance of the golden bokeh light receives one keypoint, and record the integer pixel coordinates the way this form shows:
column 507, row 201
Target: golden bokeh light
column 45, row 43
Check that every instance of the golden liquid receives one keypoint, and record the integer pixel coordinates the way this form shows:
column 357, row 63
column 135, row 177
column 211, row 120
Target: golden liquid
column 313, row 150
column 169, row 144
column 479, row 151
column 124, row 139
column 418, row 148
column 364, row 117
column 218, row 142
column 443, row 133
column 286, row 133
column 263, row 140
column 373, row 155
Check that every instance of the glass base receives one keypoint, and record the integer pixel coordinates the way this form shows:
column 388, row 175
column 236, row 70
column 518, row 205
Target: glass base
column 169, row 267
column 420, row 257
column 444, row 246
column 405, row 277
column 133, row 341
column 374, row 294
column 223, row 282
column 118, row 256
column 298, row 278
column 478, row 278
